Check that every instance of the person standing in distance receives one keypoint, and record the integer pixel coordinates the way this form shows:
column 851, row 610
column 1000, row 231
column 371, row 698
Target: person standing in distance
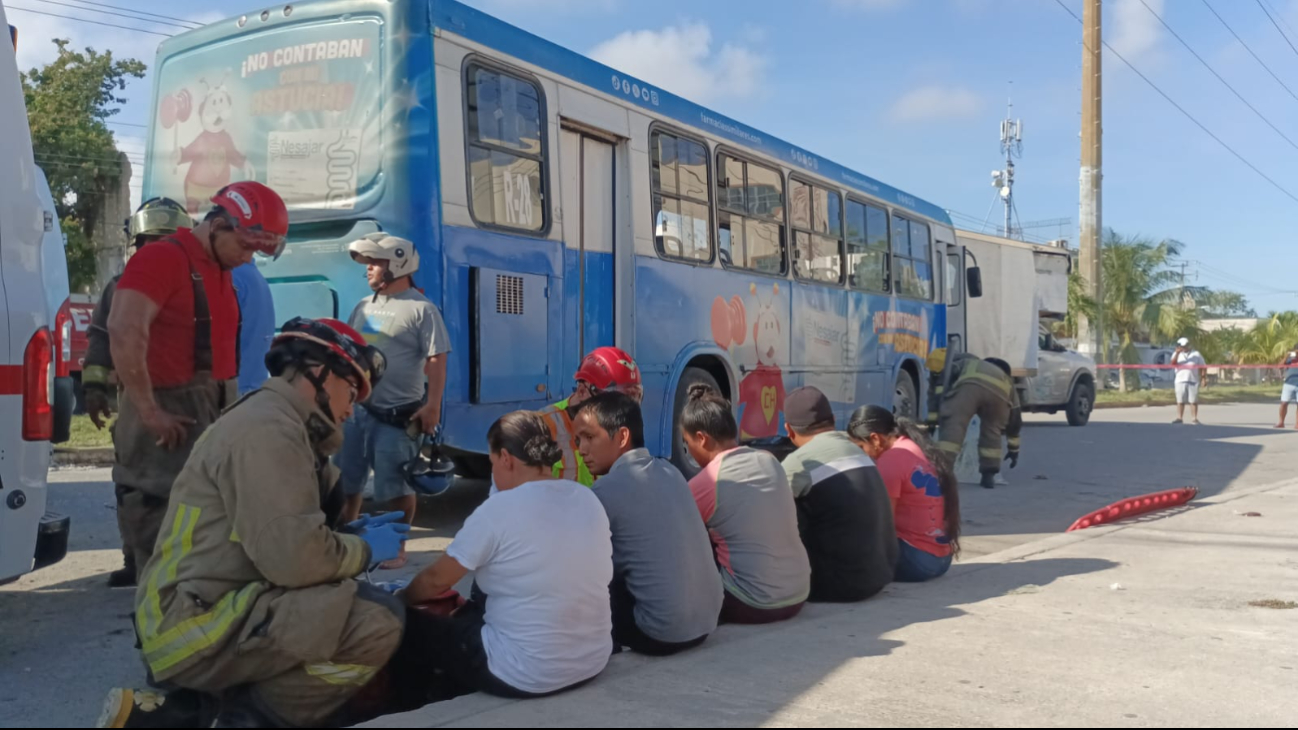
column 1189, row 364
column 408, row 328
column 1289, row 394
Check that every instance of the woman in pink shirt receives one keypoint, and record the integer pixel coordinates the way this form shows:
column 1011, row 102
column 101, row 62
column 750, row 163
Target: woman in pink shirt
column 925, row 498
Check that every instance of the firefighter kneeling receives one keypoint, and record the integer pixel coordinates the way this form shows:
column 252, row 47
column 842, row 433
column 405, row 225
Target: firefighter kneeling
column 248, row 611
column 970, row 387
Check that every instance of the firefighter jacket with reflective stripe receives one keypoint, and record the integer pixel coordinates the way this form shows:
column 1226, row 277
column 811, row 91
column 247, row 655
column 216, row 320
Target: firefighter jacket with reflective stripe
column 245, row 526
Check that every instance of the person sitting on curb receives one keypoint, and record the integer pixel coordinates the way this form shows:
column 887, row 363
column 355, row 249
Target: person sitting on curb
column 744, row 498
column 542, row 558
column 844, row 514
column 923, row 489
column 666, row 593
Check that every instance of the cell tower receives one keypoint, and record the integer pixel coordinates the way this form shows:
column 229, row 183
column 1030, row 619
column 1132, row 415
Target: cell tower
column 1011, row 146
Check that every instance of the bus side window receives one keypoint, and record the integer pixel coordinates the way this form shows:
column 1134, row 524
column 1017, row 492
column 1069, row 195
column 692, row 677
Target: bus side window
column 679, row 170
column 750, row 215
column 506, row 150
column 913, row 272
column 867, row 247
column 817, row 221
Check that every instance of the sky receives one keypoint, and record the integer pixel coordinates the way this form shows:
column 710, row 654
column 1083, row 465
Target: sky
column 912, row 92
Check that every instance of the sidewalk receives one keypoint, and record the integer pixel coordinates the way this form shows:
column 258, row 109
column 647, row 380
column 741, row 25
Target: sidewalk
column 1143, row 625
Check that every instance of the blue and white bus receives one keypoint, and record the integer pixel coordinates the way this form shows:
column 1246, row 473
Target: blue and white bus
column 558, row 205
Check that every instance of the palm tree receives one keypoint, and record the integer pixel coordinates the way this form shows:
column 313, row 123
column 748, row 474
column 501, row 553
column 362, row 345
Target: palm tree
column 1269, row 341
column 1144, row 299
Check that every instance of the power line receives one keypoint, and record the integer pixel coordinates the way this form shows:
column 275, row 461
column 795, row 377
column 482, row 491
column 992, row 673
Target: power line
column 119, row 15
column 127, row 124
column 91, row 22
column 1220, row 78
column 1277, row 27
column 1187, row 114
column 194, row 23
column 1250, row 50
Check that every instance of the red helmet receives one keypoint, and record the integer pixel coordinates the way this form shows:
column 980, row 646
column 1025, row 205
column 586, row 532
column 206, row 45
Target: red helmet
column 606, row 367
column 339, row 340
column 258, row 213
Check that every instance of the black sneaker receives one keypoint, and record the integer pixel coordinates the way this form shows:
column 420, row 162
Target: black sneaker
column 146, row 708
column 122, row 578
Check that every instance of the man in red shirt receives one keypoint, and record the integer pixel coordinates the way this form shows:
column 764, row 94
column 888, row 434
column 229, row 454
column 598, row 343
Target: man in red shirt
column 173, row 332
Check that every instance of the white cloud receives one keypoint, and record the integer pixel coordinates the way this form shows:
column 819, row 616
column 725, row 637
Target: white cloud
column 1135, row 29
column 936, row 103
column 681, row 60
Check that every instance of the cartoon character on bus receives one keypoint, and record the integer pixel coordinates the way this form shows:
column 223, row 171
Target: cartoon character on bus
column 213, row 153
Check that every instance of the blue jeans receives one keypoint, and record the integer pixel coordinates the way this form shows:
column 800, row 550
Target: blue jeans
column 369, row 444
column 916, row 566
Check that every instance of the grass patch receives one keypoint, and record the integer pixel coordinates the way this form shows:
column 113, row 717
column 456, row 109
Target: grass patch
column 86, row 436
column 1265, row 393
column 1274, row 603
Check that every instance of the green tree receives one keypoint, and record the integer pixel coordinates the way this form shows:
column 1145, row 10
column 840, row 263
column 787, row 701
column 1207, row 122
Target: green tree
column 69, row 102
column 1144, row 299
column 1223, row 305
column 1270, row 339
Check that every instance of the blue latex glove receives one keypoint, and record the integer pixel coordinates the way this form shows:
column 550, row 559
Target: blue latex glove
column 358, row 526
column 385, row 540
column 392, row 586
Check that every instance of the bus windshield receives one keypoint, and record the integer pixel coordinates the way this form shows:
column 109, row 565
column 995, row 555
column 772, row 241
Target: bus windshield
column 295, row 107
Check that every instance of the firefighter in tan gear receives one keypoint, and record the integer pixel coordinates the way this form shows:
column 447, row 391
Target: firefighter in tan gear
column 968, row 387
column 154, row 220
column 249, row 612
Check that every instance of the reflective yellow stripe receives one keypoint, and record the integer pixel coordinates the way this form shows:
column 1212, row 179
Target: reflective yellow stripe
column 234, row 536
column 355, row 560
column 353, row 675
column 189, row 637
column 1014, row 443
column 990, row 453
column 949, row 447
column 149, row 615
column 94, row 374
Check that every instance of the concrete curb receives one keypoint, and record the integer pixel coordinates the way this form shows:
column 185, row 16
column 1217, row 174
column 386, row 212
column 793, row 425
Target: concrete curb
column 82, row 457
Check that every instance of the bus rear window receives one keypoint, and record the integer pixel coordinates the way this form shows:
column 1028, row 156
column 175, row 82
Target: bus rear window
column 299, row 108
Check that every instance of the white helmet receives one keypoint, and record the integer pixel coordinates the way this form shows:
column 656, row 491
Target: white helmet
column 402, row 258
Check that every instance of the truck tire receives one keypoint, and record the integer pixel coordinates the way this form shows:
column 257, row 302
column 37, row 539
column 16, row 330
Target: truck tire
column 905, row 401
column 681, row 455
column 1081, row 403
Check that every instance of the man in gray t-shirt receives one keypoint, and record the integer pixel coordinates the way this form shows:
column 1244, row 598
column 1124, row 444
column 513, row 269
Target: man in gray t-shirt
column 666, row 593
column 409, row 331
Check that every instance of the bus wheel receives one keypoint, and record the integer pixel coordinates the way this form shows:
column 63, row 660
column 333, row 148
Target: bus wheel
column 904, row 400
column 680, row 455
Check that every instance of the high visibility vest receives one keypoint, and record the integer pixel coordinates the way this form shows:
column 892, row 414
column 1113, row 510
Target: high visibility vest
column 571, row 466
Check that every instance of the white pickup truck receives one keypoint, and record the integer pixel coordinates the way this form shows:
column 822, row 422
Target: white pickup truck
column 1025, row 288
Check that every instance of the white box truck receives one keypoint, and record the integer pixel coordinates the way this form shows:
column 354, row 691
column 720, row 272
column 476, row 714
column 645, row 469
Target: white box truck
column 1024, row 290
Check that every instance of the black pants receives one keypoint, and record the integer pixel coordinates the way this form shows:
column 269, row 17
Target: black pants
column 626, row 632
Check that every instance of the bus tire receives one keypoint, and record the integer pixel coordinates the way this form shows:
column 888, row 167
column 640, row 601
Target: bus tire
column 680, row 455
column 905, row 400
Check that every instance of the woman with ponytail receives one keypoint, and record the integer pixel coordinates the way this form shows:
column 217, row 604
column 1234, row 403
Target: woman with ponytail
column 924, row 491
column 541, row 553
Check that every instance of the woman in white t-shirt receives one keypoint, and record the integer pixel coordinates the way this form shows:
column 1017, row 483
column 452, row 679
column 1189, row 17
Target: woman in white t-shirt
column 542, row 554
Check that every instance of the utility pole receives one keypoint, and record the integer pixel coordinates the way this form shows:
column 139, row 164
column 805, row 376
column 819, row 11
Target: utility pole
column 1091, row 338
column 1011, row 146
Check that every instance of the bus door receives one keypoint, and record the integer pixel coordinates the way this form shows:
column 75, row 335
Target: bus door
column 588, row 174
column 951, row 268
